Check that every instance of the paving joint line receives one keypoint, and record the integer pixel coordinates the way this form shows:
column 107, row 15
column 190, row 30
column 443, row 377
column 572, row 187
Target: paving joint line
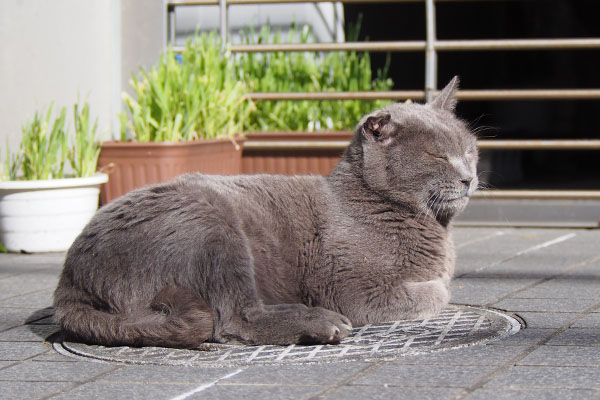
column 570, row 268
column 513, row 362
column 528, row 250
column 331, row 389
column 77, row 384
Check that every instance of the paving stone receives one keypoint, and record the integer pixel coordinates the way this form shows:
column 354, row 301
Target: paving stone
column 562, row 288
column 17, row 351
column 36, row 300
column 465, row 238
column 12, row 317
column 124, row 391
column 525, row 337
column 565, row 356
column 258, row 392
column 27, row 283
column 490, row 253
column 577, row 337
column 482, row 291
column 5, row 364
column 166, row 374
column 548, row 377
column 546, row 319
column 533, row 394
column 425, row 375
column 52, row 355
column 381, row 392
column 55, row 371
column 315, row 374
column 28, row 333
column 31, row 390
column 591, row 320
column 472, row 355
column 549, row 305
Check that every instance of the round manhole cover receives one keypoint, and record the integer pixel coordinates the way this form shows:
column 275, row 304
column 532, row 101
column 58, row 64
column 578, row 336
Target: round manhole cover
column 456, row 326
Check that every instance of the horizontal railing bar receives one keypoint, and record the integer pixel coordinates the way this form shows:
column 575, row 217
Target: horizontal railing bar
column 419, row 45
column 520, row 94
column 391, row 95
column 482, row 144
column 582, row 144
column 538, row 194
column 243, row 2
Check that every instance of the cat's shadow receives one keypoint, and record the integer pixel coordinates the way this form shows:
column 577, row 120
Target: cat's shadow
column 41, row 324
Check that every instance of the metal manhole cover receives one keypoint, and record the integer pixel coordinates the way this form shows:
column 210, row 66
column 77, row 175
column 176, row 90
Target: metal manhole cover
column 456, row 326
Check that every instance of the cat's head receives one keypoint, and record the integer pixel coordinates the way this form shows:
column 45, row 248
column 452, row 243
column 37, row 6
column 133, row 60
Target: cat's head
column 421, row 154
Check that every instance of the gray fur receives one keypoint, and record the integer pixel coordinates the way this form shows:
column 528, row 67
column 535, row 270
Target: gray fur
column 277, row 260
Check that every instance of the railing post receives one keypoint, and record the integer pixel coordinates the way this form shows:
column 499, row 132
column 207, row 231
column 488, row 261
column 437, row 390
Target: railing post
column 171, row 26
column 430, row 52
column 223, row 21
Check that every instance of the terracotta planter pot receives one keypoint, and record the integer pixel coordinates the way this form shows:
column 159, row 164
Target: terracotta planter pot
column 293, row 153
column 132, row 165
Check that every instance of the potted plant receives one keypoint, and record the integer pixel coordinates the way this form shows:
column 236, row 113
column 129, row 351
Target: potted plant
column 187, row 116
column 277, row 130
column 42, row 207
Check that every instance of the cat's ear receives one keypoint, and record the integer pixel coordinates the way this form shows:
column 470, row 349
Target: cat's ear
column 446, row 100
column 377, row 127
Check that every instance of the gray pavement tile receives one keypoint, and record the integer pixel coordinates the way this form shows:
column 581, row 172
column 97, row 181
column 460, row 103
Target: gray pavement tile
column 548, row 377
column 544, row 262
column 17, row 351
column 550, row 305
column 258, row 392
column 28, row 333
column 27, row 283
column 591, row 320
column 490, row 253
column 563, row 356
column 381, row 392
column 53, row 355
column 533, row 394
column 35, row 300
column 315, row 374
column 577, row 337
column 31, row 390
column 12, row 317
column 167, row 374
column 5, row 364
column 465, row 237
column 546, row 319
column 55, row 371
column 425, row 375
column 472, row 355
column 525, row 337
column 125, row 391
column 562, row 288
column 481, row 291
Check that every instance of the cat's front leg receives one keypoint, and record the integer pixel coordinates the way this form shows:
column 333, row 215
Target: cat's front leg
column 290, row 324
column 406, row 300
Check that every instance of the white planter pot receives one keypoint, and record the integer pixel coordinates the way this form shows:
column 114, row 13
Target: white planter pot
column 47, row 215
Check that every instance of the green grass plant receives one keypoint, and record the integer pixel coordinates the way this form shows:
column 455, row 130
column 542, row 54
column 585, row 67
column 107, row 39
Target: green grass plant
column 307, row 72
column 195, row 96
column 45, row 148
column 83, row 154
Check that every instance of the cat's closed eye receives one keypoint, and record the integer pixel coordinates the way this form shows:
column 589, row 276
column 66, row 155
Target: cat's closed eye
column 437, row 156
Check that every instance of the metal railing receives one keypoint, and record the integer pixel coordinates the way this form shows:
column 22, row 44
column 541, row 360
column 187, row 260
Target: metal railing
column 430, row 46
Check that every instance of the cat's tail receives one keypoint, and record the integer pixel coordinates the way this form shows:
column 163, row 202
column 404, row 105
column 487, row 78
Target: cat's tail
column 176, row 318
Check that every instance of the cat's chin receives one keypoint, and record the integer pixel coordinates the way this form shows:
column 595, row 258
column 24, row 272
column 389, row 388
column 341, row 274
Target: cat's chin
column 448, row 208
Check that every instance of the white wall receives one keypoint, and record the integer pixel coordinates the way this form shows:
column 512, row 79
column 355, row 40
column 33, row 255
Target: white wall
column 55, row 50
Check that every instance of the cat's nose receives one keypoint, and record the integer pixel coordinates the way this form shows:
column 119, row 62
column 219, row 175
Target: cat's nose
column 467, row 182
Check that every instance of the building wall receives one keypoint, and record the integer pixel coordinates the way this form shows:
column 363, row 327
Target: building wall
column 59, row 50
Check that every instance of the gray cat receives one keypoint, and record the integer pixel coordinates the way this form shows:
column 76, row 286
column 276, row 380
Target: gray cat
column 279, row 260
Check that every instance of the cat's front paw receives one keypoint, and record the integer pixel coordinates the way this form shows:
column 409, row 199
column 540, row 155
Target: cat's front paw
column 321, row 326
